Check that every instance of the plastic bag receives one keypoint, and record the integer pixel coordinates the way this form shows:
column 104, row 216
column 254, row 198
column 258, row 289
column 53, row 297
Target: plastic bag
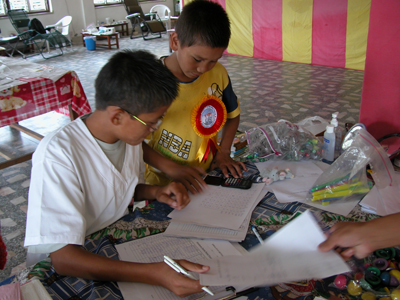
column 92, row 29
column 283, row 140
column 314, row 124
column 346, row 177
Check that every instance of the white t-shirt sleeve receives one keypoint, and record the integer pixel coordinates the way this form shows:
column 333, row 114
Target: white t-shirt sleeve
column 56, row 205
column 45, row 248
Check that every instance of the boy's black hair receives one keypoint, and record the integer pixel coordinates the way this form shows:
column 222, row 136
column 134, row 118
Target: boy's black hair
column 205, row 23
column 136, row 81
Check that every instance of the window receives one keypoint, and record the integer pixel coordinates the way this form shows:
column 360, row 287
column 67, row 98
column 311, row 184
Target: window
column 106, row 2
column 31, row 6
column 109, row 2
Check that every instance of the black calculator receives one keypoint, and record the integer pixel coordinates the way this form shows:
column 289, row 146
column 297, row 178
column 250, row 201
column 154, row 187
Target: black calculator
column 238, row 183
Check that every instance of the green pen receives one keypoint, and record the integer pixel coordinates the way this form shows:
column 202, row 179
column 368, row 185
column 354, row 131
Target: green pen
column 330, row 183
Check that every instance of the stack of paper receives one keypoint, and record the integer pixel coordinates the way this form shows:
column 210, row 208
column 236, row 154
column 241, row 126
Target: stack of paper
column 217, row 213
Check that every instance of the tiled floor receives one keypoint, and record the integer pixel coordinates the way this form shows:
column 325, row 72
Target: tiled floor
column 268, row 91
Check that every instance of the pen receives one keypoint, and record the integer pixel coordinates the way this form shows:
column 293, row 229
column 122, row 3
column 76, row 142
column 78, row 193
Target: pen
column 174, row 265
column 338, row 188
column 343, row 193
column 337, row 181
column 257, row 234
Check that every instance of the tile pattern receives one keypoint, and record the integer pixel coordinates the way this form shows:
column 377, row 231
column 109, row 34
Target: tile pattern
column 268, row 91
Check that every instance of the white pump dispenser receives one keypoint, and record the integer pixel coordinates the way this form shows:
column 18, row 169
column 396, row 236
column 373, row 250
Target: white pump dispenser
column 334, row 120
column 329, row 144
column 338, row 134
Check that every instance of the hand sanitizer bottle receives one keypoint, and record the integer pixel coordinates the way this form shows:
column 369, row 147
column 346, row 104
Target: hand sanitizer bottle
column 329, row 144
column 338, row 134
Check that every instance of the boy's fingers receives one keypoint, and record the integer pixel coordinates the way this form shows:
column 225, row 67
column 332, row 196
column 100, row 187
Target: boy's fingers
column 164, row 198
column 193, row 267
column 242, row 165
column 235, row 171
column 191, row 187
column 224, row 170
column 182, row 200
column 196, row 183
column 175, row 195
column 180, row 195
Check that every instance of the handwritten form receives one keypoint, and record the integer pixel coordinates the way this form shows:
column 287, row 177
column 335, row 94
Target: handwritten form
column 206, row 232
column 153, row 249
column 289, row 254
column 219, row 207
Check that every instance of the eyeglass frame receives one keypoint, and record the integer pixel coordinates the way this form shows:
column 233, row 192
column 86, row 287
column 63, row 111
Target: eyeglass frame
column 158, row 124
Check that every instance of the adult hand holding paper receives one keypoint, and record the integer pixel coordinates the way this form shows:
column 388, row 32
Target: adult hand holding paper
column 289, row 254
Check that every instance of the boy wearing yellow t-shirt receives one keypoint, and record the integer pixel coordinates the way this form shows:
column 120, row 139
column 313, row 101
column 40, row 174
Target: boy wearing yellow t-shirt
column 205, row 104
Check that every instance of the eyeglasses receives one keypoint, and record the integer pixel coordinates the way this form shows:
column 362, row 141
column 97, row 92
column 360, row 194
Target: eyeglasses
column 153, row 128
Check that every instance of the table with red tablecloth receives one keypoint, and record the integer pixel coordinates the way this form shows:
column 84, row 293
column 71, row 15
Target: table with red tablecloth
column 29, row 89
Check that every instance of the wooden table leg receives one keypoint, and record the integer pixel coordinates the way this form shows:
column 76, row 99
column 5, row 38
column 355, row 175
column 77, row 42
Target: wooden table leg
column 72, row 114
column 126, row 30
column 27, row 131
column 109, row 41
column 15, row 161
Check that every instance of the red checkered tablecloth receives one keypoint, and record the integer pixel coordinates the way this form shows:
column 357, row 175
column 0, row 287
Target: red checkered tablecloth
column 33, row 96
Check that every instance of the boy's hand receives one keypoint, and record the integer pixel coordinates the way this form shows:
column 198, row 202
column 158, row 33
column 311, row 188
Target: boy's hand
column 190, row 177
column 173, row 194
column 177, row 283
column 227, row 165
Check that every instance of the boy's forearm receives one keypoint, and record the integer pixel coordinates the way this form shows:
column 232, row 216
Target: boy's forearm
column 145, row 192
column 155, row 159
column 228, row 134
column 74, row 261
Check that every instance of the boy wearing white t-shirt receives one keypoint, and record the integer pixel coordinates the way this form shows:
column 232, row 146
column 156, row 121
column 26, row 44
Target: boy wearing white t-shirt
column 85, row 174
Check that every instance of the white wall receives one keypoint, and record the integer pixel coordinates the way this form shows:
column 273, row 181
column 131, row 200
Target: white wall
column 83, row 13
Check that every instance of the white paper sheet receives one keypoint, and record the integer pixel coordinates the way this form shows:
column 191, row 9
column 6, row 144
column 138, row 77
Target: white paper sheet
column 204, row 232
column 34, row 290
column 289, row 254
column 220, row 207
column 385, row 200
column 296, row 189
column 153, row 249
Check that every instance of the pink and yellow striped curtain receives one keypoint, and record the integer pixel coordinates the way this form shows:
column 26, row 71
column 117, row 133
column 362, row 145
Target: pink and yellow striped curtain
column 322, row 32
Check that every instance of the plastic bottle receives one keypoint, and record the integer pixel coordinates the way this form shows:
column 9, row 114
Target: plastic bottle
column 329, row 143
column 338, row 134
